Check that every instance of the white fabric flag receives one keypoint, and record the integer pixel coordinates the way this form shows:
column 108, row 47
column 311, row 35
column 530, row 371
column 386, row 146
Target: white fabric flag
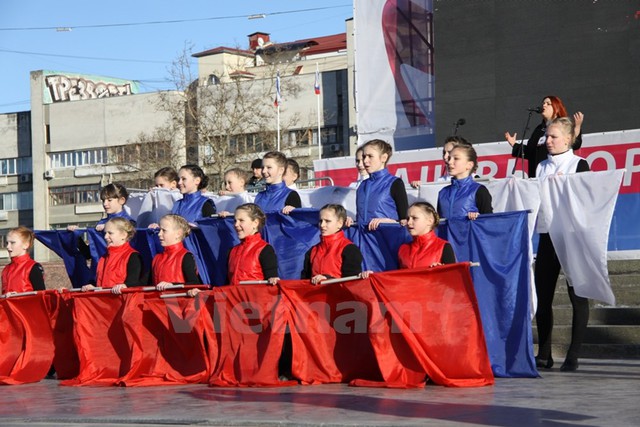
column 578, row 209
column 515, row 194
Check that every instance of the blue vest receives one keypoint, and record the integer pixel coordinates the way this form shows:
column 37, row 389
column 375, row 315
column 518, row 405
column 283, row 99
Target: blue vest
column 190, row 206
column 121, row 214
column 459, row 198
column 273, row 197
column 373, row 198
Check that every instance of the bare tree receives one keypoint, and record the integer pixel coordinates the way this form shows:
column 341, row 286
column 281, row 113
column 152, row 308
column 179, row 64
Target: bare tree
column 215, row 123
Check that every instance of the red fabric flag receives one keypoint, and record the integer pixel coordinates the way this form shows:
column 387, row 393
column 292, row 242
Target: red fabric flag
column 249, row 329
column 172, row 342
column 65, row 357
column 105, row 350
column 26, row 350
column 426, row 323
column 329, row 333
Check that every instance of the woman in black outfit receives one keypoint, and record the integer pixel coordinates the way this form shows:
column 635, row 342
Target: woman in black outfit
column 536, row 151
column 561, row 160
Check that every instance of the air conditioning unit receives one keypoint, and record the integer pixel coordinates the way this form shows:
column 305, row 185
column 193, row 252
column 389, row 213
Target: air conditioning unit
column 49, row 174
column 25, row 177
column 335, row 147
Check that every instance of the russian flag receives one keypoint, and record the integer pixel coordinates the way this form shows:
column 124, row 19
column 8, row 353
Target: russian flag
column 316, row 85
column 278, row 99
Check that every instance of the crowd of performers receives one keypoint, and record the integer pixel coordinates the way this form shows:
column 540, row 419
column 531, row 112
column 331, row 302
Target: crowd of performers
column 381, row 198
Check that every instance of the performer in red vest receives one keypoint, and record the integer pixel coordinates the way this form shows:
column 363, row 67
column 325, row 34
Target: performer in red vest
column 22, row 274
column 175, row 264
column 253, row 258
column 426, row 249
column 335, row 256
column 121, row 266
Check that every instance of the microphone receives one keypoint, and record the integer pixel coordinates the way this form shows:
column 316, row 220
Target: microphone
column 461, row 122
column 535, row 110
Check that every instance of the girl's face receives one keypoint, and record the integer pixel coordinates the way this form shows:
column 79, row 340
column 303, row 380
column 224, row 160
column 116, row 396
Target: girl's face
column 558, row 141
column 373, row 159
column 271, row 172
column 113, row 205
column 188, row 183
column 244, row 225
column 360, row 164
column 547, row 110
column 169, row 234
column 114, row 236
column 329, row 222
column 420, row 221
column 163, row 182
column 459, row 164
column 16, row 246
column 233, row 183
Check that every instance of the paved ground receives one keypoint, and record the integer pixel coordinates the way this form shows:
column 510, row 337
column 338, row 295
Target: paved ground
column 601, row 393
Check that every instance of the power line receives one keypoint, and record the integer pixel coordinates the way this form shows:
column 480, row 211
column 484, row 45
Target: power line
column 174, row 21
column 21, row 52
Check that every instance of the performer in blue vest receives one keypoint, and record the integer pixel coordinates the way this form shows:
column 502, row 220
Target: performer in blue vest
column 381, row 198
column 464, row 197
column 194, row 205
column 277, row 196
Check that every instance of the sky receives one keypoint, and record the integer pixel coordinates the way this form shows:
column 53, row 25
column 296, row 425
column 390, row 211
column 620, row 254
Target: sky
column 144, row 48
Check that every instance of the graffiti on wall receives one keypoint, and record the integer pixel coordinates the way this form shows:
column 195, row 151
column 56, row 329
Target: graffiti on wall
column 61, row 88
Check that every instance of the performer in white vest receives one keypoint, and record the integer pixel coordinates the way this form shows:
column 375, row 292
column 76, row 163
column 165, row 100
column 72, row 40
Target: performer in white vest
column 559, row 139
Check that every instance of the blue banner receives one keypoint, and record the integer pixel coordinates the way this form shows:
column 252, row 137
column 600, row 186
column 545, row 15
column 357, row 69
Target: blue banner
column 499, row 242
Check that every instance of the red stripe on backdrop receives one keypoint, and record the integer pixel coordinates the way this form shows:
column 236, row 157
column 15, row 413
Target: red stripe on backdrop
column 427, row 166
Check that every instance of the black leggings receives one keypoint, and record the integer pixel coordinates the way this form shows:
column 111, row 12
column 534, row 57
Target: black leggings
column 547, row 270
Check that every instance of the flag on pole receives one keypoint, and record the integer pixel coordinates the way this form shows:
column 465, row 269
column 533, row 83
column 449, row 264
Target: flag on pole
column 278, row 99
column 316, row 86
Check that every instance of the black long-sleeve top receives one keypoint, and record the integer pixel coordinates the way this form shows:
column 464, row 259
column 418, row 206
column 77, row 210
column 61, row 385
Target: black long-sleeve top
column 351, row 263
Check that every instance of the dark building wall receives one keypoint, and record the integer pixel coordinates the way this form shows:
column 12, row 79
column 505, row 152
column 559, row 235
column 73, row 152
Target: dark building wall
column 494, row 59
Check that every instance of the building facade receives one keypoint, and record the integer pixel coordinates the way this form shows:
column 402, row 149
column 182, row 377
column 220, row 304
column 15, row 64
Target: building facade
column 86, row 131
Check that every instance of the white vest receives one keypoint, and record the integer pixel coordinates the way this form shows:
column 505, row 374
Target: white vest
column 565, row 163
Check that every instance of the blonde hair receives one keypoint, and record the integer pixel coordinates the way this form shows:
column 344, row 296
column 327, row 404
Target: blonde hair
column 25, row 234
column 255, row 213
column 123, row 224
column 179, row 223
column 567, row 126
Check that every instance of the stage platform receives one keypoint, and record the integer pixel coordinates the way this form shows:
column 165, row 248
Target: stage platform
column 601, row 393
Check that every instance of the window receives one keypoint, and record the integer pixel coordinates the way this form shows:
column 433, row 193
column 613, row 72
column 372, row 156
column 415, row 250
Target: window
column 15, row 166
column 71, row 159
column 16, row 201
column 74, row 194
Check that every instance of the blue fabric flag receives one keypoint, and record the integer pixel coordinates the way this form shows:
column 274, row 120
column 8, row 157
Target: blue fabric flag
column 210, row 244
column 65, row 244
column 292, row 236
column 499, row 242
column 379, row 248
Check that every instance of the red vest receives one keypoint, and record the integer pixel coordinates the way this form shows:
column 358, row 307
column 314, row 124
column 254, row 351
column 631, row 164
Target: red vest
column 15, row 276
column 326, row 256
column 244, row 262
column 167, row 266
column 424, row 251
column 112, row 267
